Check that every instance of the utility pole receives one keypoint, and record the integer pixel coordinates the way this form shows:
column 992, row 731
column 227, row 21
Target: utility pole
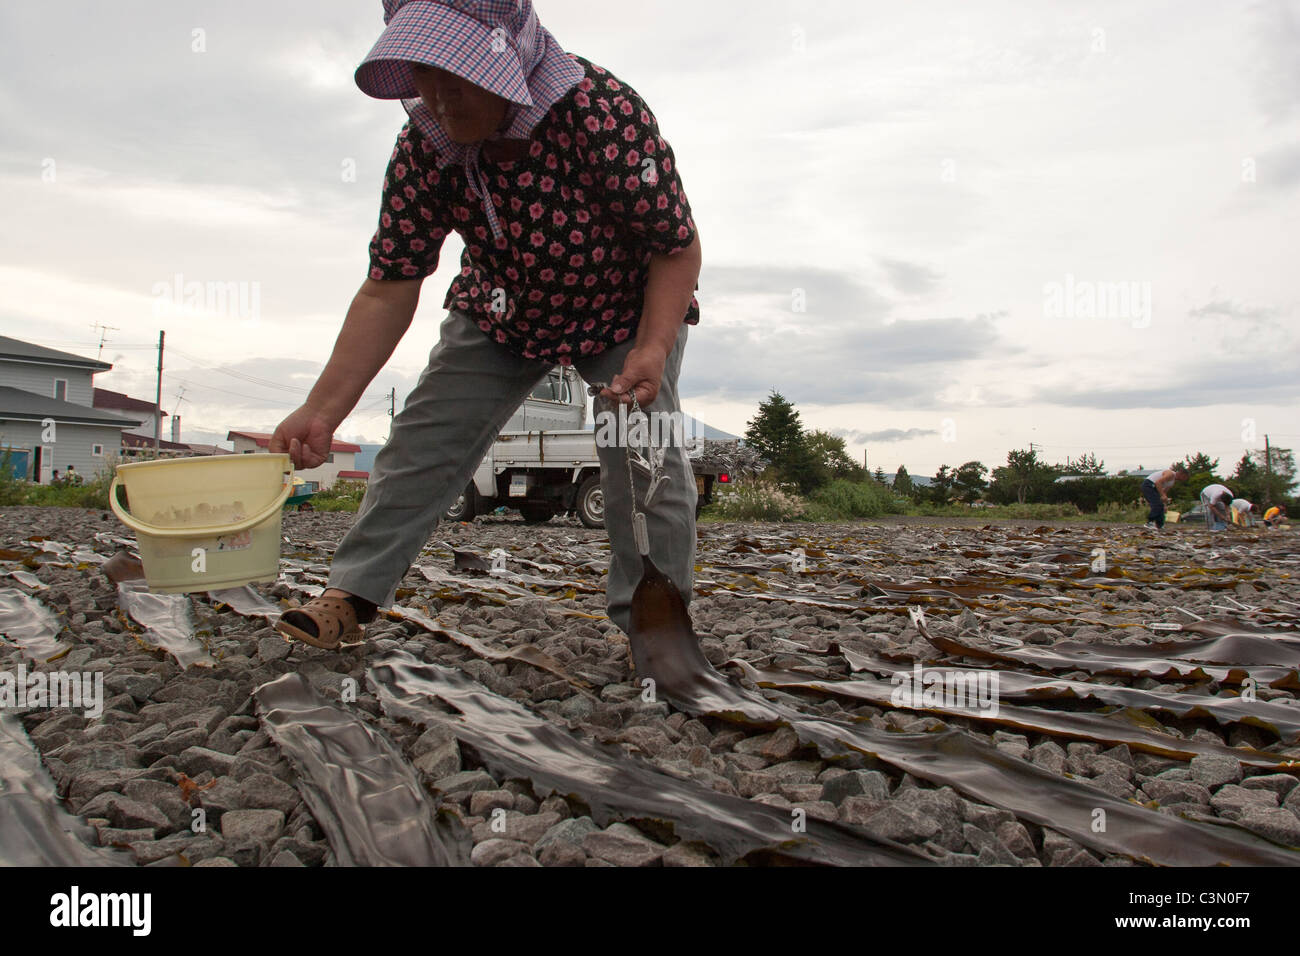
column 157, row 418
column 1268, row 465
column 392, row 409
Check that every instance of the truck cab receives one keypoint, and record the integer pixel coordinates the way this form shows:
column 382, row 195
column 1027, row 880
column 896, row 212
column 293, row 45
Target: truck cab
column 544, row 460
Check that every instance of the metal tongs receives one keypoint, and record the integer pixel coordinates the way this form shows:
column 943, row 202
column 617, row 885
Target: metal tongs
column 648, row 464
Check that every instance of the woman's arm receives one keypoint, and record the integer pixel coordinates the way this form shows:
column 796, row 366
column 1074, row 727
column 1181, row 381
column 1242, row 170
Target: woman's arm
column 670, row 285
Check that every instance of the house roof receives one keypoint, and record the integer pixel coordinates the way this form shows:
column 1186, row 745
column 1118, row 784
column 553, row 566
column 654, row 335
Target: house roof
column 130, row 440
column 106, row 398
column 39, row 354
column 263, row 440
column 209, row 449
column 19, row 405
column 362, row 475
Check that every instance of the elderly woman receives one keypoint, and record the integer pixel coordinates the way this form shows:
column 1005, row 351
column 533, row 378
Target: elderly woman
column 580, row 250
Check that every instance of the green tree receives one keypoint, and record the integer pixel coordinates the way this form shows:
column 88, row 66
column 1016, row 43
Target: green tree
column 1024, row 476
column 1085, row 464
column 969, row 482
column 830, row 452
column 775, row 432
column 1201, row 463
column 940, row 490
column 903, row 483
column 879, row 475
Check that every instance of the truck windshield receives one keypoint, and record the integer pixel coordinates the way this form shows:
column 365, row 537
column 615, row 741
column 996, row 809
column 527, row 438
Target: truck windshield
column 553, row 388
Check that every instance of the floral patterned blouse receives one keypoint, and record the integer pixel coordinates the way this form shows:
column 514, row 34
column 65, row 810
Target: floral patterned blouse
column 583, row 211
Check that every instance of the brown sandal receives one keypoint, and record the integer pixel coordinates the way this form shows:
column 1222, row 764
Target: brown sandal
column 335, row 620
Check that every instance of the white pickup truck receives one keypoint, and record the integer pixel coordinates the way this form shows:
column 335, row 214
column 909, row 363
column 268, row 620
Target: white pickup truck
column 544, row 461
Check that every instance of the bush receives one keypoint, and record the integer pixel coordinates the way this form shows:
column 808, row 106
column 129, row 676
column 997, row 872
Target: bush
column 343, row 496
column 758, row 501
column 842, row 499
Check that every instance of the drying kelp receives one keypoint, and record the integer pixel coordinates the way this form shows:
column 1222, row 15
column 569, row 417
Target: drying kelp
column 35, row 830
column 246, row 602
column 667, row 651
column 1123, row 727
column 1230, row 658
column 30, row 625
column 1278, row 718
column 515, row 743
column 365, row 795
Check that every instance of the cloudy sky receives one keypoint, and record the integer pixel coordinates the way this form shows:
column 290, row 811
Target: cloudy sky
column 942, row 229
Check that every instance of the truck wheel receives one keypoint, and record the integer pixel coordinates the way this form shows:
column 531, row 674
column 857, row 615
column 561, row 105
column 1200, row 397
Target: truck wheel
column 591, row 503
column 536, row 514
column 463, row 508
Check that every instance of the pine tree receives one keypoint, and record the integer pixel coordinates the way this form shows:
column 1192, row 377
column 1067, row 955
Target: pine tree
column 776, row 433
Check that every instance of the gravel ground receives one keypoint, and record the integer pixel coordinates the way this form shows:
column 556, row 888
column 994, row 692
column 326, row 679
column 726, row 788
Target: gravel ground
column 175, row 745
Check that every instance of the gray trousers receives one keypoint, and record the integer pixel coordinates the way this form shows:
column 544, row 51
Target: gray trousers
column 464, row 397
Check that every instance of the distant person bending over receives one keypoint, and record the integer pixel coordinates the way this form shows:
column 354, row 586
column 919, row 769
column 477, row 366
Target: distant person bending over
column 580, row 250
column 1155, row 489
column 1243, row 513
column 1274, row 516
column 72, row 477
column 54, row 478
column 1216, row 500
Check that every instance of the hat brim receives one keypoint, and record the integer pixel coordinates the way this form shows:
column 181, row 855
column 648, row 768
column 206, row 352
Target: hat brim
column 437, row 35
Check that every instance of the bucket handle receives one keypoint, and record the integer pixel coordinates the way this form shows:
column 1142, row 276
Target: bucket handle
column 142, row 527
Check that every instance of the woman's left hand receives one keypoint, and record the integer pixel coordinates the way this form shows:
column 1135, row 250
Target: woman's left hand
column 642, row 372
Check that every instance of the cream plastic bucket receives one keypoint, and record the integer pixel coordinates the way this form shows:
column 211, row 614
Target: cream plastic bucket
column 205, row 523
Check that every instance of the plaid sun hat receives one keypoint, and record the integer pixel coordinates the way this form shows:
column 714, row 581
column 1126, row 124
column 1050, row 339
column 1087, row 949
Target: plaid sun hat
column 497, row 44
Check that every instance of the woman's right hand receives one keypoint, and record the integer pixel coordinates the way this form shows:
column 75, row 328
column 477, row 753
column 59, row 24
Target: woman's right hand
column 306, row 435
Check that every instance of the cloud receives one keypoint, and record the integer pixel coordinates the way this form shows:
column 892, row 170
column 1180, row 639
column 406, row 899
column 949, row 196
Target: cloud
column 821, row 336
column 886, row 435
column 909, row 277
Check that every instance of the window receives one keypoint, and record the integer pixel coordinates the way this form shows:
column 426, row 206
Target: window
column 61, row 389
column 330, row 458
column 553, row 388
column 97, row 451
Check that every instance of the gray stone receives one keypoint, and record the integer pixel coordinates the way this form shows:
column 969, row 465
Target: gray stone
column 1060, row 850
column 1211, row 771
column 139, row 687
column 112, row 836
column 562, row 854
column 623, row 845
column 125, row 813
column 274, row 648
column 687, row 853
column 901, row 824
column 1175, row 791
column 217, row 861
column 1016, row 838
column 197, row 760
column 983, row 842
column 856, row 783
column 523, row 859
column 1276, row 824
column 206, row 719
column 1232, row 801
column 261, row 791
column 1279, row 783
column 1049, row 756
column 483, row 802
column 242, row 828
column 494, row 851
column 90, row 784
column 461, row 785
column 572, row 831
